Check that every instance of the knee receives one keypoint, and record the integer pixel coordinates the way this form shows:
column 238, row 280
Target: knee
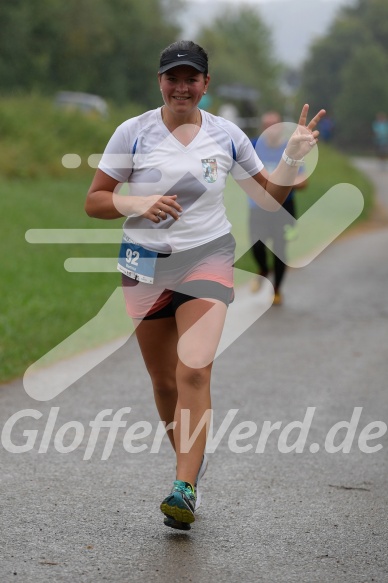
column 199, row 360
column 164, row 383
column 196, row 378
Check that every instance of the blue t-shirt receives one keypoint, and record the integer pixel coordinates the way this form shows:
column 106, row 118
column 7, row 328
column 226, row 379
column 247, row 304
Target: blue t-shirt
column 380, row 129
column 270, row 157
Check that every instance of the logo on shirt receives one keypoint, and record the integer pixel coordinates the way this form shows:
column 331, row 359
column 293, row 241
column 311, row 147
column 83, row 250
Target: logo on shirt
column 209, row 168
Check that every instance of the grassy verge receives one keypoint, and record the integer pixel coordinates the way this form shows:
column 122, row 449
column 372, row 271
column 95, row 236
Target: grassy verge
column 35, row 135
column 43, row 304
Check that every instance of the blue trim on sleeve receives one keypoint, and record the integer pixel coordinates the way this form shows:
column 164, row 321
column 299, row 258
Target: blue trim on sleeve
column 234, row 153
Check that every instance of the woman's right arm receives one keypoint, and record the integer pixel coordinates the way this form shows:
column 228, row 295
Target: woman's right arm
column 99, row 200
column 102, row 202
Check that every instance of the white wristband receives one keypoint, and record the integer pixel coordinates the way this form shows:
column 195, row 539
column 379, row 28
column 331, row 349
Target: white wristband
column 291, row 161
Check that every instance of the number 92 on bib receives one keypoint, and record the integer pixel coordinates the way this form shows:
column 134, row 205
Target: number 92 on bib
column 136, row 262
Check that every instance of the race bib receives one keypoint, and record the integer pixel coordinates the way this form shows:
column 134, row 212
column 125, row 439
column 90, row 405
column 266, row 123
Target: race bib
column 136, row 262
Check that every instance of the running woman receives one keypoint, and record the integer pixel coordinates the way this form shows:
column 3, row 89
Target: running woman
column 177, row 252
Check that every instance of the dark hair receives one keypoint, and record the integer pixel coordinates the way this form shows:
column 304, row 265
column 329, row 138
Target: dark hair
column 186, row 45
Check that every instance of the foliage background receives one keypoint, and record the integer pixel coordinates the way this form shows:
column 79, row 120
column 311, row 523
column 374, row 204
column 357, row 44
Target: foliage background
column 112, row 47
column 347, row 72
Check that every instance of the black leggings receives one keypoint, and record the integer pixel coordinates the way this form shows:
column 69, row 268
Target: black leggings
column 270, row 228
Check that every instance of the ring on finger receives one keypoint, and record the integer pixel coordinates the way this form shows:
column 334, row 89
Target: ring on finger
column 158, row 213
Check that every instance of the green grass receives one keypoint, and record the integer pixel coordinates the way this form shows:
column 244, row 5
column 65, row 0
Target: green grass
column 42, row 303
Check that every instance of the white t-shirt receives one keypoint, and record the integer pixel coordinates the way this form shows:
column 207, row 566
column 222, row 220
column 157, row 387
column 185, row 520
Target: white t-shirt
column 144, row 153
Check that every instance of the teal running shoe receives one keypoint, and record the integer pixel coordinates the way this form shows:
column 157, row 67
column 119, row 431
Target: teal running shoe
column 180, row 504
column 201, row 472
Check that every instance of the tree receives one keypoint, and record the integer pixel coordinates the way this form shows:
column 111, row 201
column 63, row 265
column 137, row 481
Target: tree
column 373, row 14
column 364, row 91
column 110, row 47
column 240, row 52
column 321, row 77
column 347, row 70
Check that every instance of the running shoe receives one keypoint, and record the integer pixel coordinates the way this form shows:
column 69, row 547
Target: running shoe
column 201, row 472
column 278, row 299
column 255, row 285
column 180, row 504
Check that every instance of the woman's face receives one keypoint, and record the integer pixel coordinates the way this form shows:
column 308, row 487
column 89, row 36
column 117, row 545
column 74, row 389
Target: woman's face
column 182, row 88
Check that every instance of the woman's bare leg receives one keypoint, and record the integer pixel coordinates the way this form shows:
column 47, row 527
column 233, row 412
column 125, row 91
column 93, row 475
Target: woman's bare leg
column 199, row 324
column 178, row 354
column 158, row 344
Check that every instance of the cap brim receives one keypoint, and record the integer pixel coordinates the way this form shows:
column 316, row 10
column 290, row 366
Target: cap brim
column 179, row 63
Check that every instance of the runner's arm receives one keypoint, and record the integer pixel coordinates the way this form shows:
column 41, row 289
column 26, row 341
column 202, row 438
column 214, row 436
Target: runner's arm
column 104, row 202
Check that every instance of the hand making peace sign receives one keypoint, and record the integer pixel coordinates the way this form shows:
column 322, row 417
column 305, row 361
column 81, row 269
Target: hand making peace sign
column 304, row 137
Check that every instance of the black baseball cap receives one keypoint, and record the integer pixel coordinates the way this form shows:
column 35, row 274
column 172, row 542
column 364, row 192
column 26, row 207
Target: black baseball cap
column 176, row 58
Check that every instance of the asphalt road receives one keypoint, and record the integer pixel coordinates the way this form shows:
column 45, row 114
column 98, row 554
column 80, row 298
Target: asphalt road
column 273, row 516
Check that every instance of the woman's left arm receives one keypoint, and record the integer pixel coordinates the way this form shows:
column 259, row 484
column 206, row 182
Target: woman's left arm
column 275, row 187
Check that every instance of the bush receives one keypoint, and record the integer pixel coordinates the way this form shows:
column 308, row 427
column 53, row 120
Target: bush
column 35, row 134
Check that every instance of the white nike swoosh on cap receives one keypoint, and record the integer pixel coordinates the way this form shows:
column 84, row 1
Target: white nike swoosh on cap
column 182, row 55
